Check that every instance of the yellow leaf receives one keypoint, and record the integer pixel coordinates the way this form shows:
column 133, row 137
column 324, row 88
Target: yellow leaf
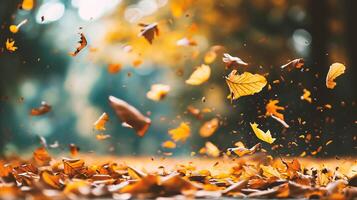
column 336, row 69
column 264, row 136
column 269, row 172
column 306, row 96
column 27, row 4
column 100, row 123
column 211, row 149
column 158, row 92
column 180, row 133
column 200, row 75
column 16, row 28
column 169, row 144
column 244, row 84
column 241, row 150
column 10, row 45
column 210, row 56
column 209, row 127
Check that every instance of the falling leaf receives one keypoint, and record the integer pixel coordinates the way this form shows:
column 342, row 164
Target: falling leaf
column 43, row 109
column 210, row 57
column 130, row 115
column 186, row 42
column 114, row 68
column 296, row 63
column 169, row 144
column 16, row 28
column 27, row 4
column 41, row 156
column 100, row 123
column 10, row 45
column 211, row 149
column 241, row 151
column 102, row 136
column 180, row 133
column 232, row 62
column 306, row 96
column 264, row 136
column 200, row 75
column 336, row 69
column 244, row 84
column 73, row 149
column 158, row 92
column 195, row 112
column 149, row 31
column 82, row 43
column 137, row 62
column 273, row 109
column 280, row 121
column 209, row 127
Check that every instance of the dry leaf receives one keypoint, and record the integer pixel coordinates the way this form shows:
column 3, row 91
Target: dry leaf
column 264, row 136
column 100, row 123
column 114, row 68
column 336, row 69
column 158, row 92
column 41, row 156
column 43, row 109
column 244, row 84
column 102, row 136
column 296, row 63
column 232, row 62
column 27, row 4
column 82, row 43
column 16, row 28
column 10, row 45
column 149, row 31
column 269, row 171
column 50, row 179
column 72, row 167
column 130, row 115
column 210, row 56
column 241, row 151
column 186, row 42
column 211, row 149
column 209, row 127
column 306, row 96
column 273, row 109
column 200, row 75
column 169, row 144
column 180, row 133
column 73, row 149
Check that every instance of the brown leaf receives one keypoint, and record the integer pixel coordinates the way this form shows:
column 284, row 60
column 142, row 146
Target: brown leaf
column 233, row 62
column 296, row 63
column 241, row 151
column 72, row 167
column 52, row 180
column 43, row 109
column 41, row 156
column 130, row 115
column 149, row 31
column 82, row 43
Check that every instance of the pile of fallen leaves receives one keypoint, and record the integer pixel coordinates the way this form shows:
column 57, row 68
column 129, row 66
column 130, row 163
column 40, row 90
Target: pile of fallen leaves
column 255, row 176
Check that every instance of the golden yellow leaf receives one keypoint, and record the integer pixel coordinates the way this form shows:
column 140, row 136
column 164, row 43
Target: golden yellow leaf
column 158, row 92
column 244, row 84
column 306, row 96
column 169, row 144
column 200, row 75
column 16, row 28
column 10, row 45
column 180, row 133
column 210, row 56
column 102, row 136
column 336, row 69
column 100, row 123
column 269, row 172
column 27, row 4
column 209, row 127
column 211, row 149
column 273, row 109
column 264, row 136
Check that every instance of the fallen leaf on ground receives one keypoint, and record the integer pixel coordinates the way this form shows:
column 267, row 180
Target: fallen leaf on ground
column 244, row 84
column 180, row 133
column 200, row 75
column 264, row 136
column 336, row 69
column 130, row 115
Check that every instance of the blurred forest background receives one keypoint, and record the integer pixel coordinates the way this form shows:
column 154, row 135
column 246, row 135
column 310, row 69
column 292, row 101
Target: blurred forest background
column 264, row 33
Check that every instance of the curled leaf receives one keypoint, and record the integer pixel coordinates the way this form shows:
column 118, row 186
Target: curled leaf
column 149, row 31
column 241, row 151
column 100, row 123
column 209, row 127
column 244, row 84
column 336, row 69
column 102, row 136
column 186, row 42
column 180, row 133
column 72, row 167
column 296, row 63
column 264, row 136
column 130, row 115
column 200, row 75
column 82, row 43
column 158, row 92
column 43, row 109
column 232, row 62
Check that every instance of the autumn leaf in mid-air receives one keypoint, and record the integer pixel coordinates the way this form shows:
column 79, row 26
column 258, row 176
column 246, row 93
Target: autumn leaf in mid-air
column 100, row 123
column 149, row 31
column 232, row 62
column 27, row 4
column 209, row 127
column 296, row 63
column 82, row 43
column 336, row 69
column 264, row 136
column 10, row 45
column 211, row 149
column 158, row 92
column 180, row 133
column 306, row 96
column 244, row 84
column 15, row 28
column 43, row 109
column 200, row 75
column 272, row 110
column 169, row 144
column 186, row 42
column 241, row 150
